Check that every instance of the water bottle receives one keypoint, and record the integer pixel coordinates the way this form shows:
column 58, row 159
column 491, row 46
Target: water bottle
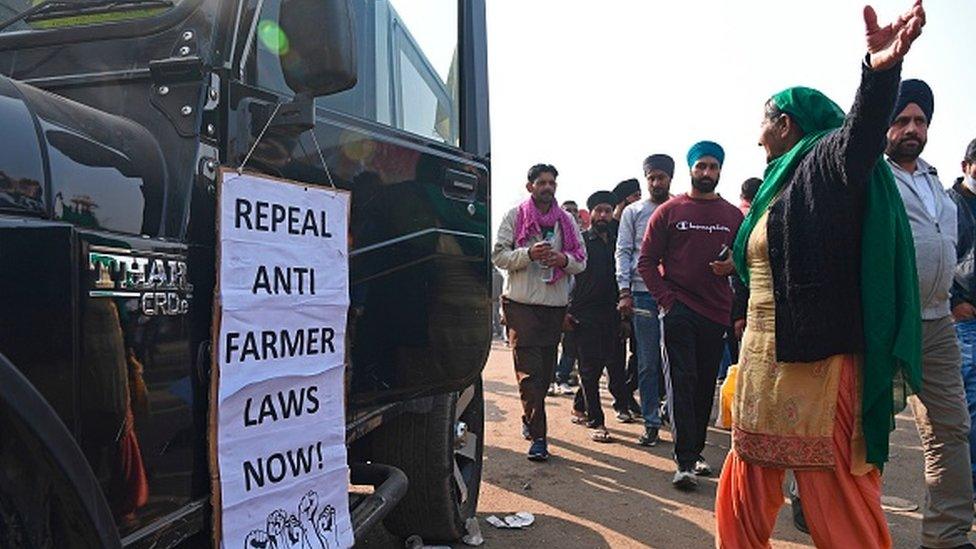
column 547, row 273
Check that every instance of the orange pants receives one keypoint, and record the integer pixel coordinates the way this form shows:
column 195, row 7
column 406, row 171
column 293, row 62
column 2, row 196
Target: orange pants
column 841, row 510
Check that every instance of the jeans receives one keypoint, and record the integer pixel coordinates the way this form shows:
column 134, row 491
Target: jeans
column 618, row 376
column 647, row 329
column 966, row 332
column 723, row 370
column 567, row 357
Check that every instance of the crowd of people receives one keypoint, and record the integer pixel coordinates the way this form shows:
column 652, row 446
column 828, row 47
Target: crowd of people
column 842, row 285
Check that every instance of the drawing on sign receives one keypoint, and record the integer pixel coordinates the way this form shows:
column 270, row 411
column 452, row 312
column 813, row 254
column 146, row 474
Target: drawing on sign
column 311, row 528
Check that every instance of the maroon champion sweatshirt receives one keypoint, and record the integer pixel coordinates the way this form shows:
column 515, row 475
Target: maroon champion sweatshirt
column 684, row 235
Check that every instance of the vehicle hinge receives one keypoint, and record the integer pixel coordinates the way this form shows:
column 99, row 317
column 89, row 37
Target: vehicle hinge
column 178, row 85
column 213, row 93
column 177, row 91
column 207, row 164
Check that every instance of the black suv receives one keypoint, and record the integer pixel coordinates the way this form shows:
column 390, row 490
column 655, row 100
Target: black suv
column 115, row 117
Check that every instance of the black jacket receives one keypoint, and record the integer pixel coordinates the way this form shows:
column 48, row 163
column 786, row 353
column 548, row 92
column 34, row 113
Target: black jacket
column 964, row 280
column 593, row 299
column 814, row 230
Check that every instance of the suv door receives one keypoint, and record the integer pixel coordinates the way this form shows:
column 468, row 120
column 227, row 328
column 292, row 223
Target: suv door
column 420, row 303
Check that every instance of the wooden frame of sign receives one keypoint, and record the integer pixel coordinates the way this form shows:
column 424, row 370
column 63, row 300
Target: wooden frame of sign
column 217, row 319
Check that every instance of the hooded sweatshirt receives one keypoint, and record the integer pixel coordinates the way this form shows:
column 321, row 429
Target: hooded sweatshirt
column 933, row 218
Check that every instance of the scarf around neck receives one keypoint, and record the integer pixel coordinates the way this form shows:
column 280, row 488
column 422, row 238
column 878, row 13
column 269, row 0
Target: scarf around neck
column 529, row 222
column 889, row 281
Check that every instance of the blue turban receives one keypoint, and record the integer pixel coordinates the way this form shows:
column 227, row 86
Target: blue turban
column 705, row 148
column 918, row 92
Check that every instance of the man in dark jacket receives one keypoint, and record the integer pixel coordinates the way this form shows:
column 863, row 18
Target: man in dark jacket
column 622, row 387
column 593, row 314
column 567, row 347
column 963, row 296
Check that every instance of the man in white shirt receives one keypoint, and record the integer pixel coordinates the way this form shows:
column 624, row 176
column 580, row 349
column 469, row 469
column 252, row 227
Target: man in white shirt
column 540, row 247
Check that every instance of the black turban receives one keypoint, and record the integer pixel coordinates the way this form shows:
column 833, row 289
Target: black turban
column 971, row 152
column 599, row 197
column 918, row 92
column 625, row 189
column 661, row 162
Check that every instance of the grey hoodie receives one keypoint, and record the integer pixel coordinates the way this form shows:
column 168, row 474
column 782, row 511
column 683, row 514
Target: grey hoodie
column 935, row 236
column 630, row 235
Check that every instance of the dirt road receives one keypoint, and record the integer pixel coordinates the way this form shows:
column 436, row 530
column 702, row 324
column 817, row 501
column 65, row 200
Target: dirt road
column 619, row 494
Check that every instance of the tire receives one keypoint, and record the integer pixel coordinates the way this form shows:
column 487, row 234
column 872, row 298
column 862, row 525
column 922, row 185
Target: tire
column 440, row 450
column 37, row 509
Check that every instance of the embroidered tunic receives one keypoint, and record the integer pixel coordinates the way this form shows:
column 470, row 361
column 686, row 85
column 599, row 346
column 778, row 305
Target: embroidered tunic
column 783, row 413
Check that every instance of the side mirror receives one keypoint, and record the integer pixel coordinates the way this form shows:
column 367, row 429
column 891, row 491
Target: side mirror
column 321, row 55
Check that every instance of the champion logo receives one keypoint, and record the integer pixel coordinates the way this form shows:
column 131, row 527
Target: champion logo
column 692, row 226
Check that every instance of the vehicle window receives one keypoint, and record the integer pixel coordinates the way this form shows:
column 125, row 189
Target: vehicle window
column 67, row 15
column 425, row 74
column 407, row 53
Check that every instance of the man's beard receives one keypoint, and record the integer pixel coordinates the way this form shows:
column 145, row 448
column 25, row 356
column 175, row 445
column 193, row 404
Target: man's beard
column 601, row 226
column 704, row 184
column 544, row 197
column 906, row 148
column 659, row 194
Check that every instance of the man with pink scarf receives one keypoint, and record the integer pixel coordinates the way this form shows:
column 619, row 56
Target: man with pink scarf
column 540, row 247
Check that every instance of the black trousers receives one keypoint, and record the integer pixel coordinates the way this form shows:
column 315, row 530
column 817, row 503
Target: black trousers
column 692, row 354
column 733, row 343
column 596, row 343
column 622, row 379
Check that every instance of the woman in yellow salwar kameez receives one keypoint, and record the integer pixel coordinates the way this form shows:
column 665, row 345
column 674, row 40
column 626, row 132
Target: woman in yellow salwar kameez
column 833, row 327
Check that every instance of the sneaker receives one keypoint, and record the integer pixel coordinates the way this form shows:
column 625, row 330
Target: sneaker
column 684, row 480
column 663, row 412
column 525, row 432
column 623, row 416
column 565, row 389
column 702, row 468
column 635, row 409
column 552, row 390
column 649, row 438
column 539, row 450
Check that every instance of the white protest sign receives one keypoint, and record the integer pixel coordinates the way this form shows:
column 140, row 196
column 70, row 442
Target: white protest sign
column 277, row 410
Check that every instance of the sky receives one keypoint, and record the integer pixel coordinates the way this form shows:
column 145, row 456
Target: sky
column 594, row 88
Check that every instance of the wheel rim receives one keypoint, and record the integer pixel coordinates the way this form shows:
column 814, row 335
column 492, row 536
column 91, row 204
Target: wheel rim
column 465, row 444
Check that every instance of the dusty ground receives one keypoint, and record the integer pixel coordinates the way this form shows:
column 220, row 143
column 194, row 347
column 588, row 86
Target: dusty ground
column 619, row 495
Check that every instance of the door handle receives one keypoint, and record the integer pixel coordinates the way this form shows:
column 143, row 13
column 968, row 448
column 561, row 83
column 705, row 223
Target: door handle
column 459, row 185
